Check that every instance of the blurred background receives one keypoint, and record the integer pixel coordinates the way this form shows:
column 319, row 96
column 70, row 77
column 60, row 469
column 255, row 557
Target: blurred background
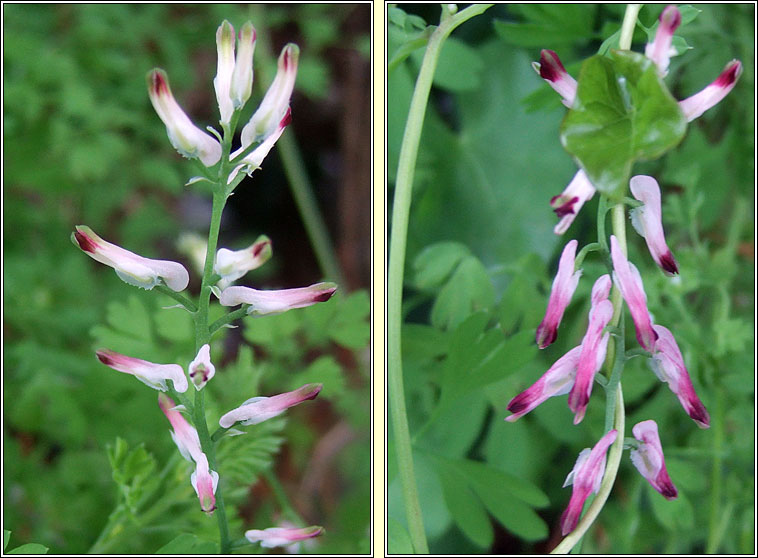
column 83, row 446
column 482, row 255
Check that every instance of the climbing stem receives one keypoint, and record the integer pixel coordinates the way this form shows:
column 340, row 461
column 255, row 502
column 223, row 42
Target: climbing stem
column 400, row 215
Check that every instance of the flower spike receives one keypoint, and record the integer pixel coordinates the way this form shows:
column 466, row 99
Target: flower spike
column 586, row 477
column 568, row 203
column 275, row 102
column 668, row 365
column 281, row 536
column 259, row 409
column 648, row 458
column 563, row 288
column 558, row 380
column 629, row 282
column 552, row 71
column 660, row 50
column 131, row 268
column 646, row 220
column 189, row 140
column 184, row 435
column 205, row 482
column 698, row 103
column 149, row 373
column 201, row 370
column 594, row 346
column 272, row 302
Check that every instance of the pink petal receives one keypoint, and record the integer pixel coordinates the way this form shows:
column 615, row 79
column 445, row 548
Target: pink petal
column 628, row 279
column 647, row 221
column 552, row 71
column 259, row 409
column 563, row 288
column 668, row 365
column 281, row 536
column 659, row 51
column 648, row 458
column 271, row 302
column 567, row 204
column 709, row 97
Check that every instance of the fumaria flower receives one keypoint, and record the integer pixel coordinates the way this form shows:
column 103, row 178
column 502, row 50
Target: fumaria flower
column 254, row 159
column 259, row 409
column 594, row 346
column 568, row 203
column 558, row 380
column 189, row 140
column 201, row 370
column 563, row 288
column 271, row 302
column 275, row 102
column 586, row 477
column 648, row 458
column 281, row 536
column 131, row 268
column 205, row 482
column 660, row 50
column 234, row 77
column 712, row 95
column 184, row 435
column 668, row 364
column 552, row 71
column 647, row 221
column 628, row 279
column 149, row 373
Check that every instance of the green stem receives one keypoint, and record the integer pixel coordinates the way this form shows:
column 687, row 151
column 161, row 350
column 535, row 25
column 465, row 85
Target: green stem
column 227, row 319
column 400, row 215
column 186, row 303
column 627, row 27
column 716, row 511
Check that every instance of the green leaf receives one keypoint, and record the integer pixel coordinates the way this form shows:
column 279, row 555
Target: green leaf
column 468, row 290
column 6, row 538
column 30, row 548
column 398, row 539
column 459, row 68
column 465, row 507
column 187, row 543
column 434, row 265
column 489, row 478
column 623, row 113
column 350, row 327
column 672, row 514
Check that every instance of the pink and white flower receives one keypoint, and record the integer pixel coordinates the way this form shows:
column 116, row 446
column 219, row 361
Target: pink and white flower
column 131, row 268
column 668, row 365
column 709, row 97
column 282, row 536
column 647, row 221
column 254, row 159
column 149, row 373
column 558, row 380
column 648, row 458
column 660, row 50
column 231, row 265
column 271, row 111
column 563, row 288
column 184, row 435
column 259, row 409
column 628, row 279
column 242, row 78
column 201, row 370
column 568, row 203
column 594, row 346
column 552, row 71
column 189, row 140
column 275, row 301
column 205, row 482
column 222, row 83
column 586, row 477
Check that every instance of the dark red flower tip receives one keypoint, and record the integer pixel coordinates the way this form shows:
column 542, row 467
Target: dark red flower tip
column 104, row 357
column 566, row 207
column 545, row 336
column 85, row 242
column 668, row 263
column 158, row 83
column 729, row 75
column 287, row 118
column 314, row 395
column 671, row 18
column 259, row 247
column 669, row 491
column 325, row 295
column 698, row 413
column 518, row 404
column 550, row 65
